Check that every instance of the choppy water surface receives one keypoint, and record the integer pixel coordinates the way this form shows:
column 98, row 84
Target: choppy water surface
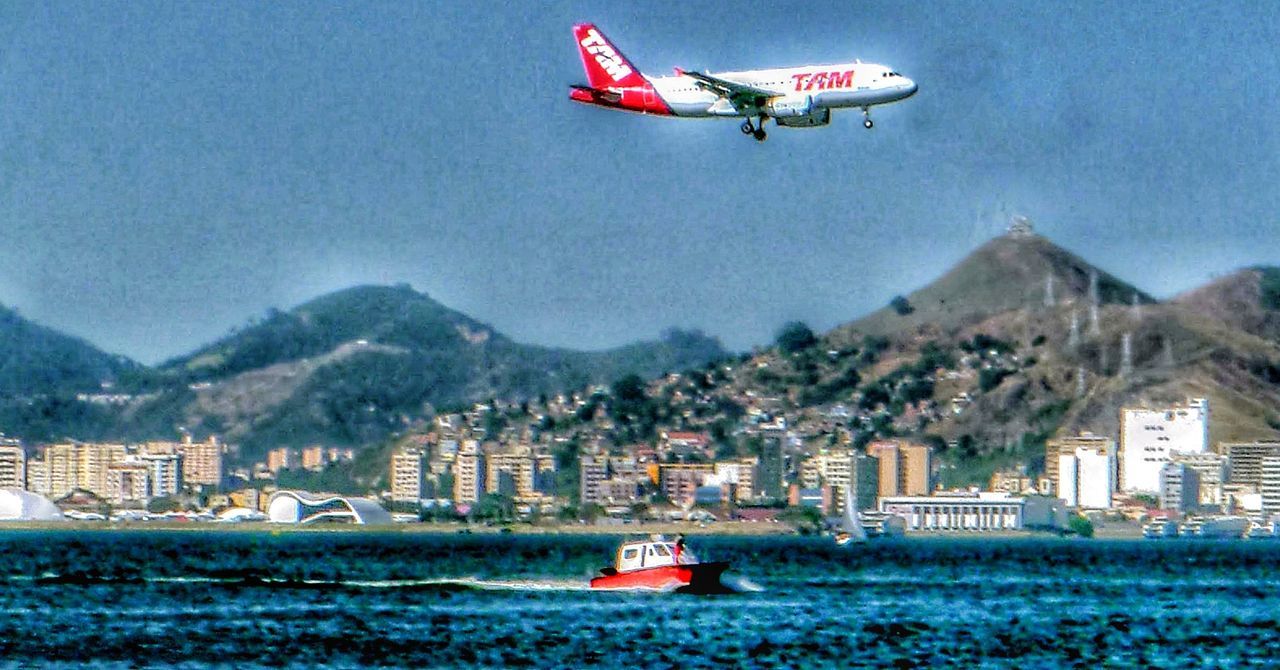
column 221, row 599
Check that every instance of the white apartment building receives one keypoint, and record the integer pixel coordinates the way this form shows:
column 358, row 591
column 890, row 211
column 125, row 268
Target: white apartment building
column 1148, row 438
column 1087, row 478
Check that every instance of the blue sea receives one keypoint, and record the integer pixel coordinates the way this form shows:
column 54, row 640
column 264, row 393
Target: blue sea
column 193, row 599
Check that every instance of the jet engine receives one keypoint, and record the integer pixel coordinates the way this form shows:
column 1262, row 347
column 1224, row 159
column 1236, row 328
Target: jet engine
column 817, row 117
column 789, row 106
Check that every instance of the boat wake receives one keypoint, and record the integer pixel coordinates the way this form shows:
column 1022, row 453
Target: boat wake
column 740, row 584
column 731, row 584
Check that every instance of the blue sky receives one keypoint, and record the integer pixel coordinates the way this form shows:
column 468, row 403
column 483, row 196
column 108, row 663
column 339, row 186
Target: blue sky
column 169, row 170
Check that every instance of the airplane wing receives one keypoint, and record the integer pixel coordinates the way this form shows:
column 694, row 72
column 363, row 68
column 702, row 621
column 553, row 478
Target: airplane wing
column 742, row 96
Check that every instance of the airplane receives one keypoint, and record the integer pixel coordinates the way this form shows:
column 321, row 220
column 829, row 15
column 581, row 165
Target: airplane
column 794, row 97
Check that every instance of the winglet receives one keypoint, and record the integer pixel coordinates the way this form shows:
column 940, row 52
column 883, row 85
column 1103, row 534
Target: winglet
column 679, row 72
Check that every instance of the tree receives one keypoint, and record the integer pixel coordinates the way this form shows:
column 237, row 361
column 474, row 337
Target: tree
column 494, row 507
column 806, row 520
column 589, row 512
column 163, row 504
column 795, row 337
column 901, row 305
column 1080, row 525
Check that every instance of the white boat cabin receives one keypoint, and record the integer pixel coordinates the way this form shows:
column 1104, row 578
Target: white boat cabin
column 652, row 554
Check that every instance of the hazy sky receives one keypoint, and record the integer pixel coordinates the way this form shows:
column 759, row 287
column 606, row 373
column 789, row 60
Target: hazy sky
column 169, row 170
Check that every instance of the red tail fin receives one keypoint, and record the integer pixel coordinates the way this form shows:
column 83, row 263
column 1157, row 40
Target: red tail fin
column 606, row 66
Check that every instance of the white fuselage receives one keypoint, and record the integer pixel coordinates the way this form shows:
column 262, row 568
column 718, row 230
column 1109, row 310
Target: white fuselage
column 822, row 86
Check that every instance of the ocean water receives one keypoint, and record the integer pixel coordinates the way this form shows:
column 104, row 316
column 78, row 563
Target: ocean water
column 195, row 599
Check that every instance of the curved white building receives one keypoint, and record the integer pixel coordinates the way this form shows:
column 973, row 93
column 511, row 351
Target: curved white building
column 19, row 505
column 307, row 507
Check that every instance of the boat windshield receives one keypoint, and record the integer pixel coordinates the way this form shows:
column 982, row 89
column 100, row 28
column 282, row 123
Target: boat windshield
column 686, row 557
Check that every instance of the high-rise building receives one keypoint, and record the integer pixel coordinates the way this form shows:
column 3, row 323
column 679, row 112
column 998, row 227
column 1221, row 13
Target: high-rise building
column 1212, row 469
column 518, row 465
column 844, row 469
column 591, row 472
column 1068, row 445
column 164, row 474
column 1179, row 487
column 1246, row 460
column 905, row 469
column 1270, row 486
column 741, row 475
column 1148, row 438
column 1087, row 478
column 67, row 467
column 281, row 458
column 468, row 473
column 314, row 458
column 13, row 465
column 864, row 481
column 407, row 476
column 38, row 477
column 127, row 481
column 94, row 459
column 202, row 462
column 771, row 470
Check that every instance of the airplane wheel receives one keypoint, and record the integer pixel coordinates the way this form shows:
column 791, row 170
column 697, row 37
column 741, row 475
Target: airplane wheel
column 867, row 123
column 747, row 128
column 759, row 135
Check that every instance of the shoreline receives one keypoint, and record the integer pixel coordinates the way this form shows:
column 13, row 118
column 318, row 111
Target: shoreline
column 724, row 528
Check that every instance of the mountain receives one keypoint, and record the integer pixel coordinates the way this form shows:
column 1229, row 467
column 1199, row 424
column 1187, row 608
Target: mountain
column 1248, row 300
column 1009, row 272
column 353, row 366
column 35, row 360
column 1221, row 341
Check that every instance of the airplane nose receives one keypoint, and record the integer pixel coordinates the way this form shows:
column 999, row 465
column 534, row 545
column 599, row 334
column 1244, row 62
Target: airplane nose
column 910, row 87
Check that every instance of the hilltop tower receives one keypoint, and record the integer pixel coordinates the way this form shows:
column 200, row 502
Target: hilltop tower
column 1020, row 226
column 1049, row 299
column 1126, row 355
column 1137, row 307
column 1094, row 327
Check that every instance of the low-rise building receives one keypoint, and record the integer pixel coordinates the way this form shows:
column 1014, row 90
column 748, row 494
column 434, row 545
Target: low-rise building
column 958, row 511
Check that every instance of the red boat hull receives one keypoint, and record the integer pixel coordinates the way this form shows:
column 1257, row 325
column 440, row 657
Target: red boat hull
column 691, row 578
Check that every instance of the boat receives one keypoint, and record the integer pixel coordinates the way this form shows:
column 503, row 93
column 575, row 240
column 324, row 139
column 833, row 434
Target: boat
column 659, row 565
column 1261, row 531
column 1223, row 528
column 850, row 530
column 1160, row 528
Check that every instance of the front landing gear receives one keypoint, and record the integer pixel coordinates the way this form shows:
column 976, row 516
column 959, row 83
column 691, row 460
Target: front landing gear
column 866, row 118
column 751, row 129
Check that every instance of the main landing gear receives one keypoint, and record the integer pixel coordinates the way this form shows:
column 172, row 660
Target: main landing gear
column 866, row 118
column 751, row 129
